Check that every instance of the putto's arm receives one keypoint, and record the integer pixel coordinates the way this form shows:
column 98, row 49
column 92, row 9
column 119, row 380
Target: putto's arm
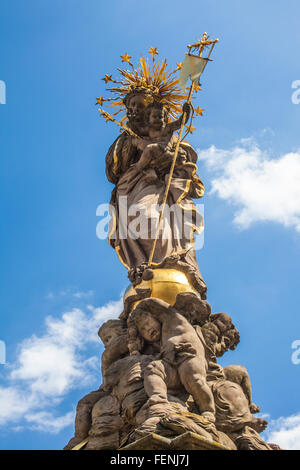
column 175, row 125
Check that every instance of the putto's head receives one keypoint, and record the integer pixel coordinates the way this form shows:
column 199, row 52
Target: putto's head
column 220, row 333
column 110, row 330
column 147, row 326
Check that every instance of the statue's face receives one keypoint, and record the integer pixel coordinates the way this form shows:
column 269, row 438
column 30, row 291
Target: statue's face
column 135, row 108
column 108, row 337
column 149, row 328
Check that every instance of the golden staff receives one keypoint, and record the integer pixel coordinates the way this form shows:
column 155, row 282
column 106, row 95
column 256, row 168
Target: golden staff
column 200, row 46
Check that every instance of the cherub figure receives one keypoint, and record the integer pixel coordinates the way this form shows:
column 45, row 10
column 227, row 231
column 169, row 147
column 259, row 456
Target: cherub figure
column 113, row 334
column 230, row 385
column 182, row 355
column 159, row 139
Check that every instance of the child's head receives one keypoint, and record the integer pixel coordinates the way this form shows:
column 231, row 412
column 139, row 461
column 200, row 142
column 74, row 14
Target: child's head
column 148, row 327
column 156, row 115
column 220, row 333
column 110, row 330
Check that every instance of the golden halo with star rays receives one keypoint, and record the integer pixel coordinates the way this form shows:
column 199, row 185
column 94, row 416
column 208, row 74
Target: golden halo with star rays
column 154, row 78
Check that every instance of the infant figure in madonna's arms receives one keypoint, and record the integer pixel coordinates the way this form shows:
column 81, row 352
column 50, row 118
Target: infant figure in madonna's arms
column 158, row 137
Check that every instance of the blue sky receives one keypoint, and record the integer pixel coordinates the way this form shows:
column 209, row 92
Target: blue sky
column 58, row 281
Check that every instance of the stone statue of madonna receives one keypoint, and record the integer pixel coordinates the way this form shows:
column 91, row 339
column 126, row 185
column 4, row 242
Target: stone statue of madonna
column 139, row 192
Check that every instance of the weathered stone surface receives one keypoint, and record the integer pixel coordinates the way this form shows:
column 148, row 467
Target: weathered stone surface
column 106, row 424
column 150, row 442
column 186, row 441
column 152, row 394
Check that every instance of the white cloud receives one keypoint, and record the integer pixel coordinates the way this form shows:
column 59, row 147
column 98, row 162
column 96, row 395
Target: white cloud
column 285, row 432
column 261, row 188
column 13, row 404
column 44, row 421
column 50, row 366
column 70, row 294
column 82, row 295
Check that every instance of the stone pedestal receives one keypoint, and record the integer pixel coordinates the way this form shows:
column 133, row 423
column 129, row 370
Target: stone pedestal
column 163, row 388
column 186, row 441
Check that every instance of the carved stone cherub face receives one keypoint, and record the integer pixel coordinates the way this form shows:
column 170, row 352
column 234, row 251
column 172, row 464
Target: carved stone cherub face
column 110, row 330
column 148, row 327
column 108, row 337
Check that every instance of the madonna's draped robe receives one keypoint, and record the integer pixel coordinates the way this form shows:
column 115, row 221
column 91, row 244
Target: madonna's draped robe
column 135, row 202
